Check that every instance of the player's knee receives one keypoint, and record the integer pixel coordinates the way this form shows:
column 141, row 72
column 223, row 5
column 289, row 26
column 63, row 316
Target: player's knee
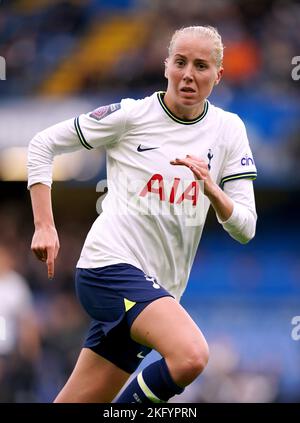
column 194, row 363
column 190, row 364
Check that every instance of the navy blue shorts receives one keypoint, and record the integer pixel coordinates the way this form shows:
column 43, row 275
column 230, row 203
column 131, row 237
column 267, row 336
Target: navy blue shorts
column 113, row 296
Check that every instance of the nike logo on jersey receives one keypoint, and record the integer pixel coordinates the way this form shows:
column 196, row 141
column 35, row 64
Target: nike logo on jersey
column 142, row 148
column 140, row 355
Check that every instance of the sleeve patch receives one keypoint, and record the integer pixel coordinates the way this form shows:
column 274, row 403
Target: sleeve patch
column 104, row 111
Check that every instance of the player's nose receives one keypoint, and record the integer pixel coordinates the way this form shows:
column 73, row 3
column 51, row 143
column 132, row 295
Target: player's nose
column 188, row 73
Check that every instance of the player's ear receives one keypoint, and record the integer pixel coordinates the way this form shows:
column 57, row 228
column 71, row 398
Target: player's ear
column 166, row 67
column 219, row 75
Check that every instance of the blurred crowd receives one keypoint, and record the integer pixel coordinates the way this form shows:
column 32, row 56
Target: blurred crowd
column 35, row 39
column 43, row 323
column 106, row 50
column 260, row 38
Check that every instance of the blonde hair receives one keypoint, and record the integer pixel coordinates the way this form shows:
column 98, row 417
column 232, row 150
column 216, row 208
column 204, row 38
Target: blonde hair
column 201, row 31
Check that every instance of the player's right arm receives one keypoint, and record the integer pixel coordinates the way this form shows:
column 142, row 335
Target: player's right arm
column 42, row 149
column 45, row 242
column 102, row 127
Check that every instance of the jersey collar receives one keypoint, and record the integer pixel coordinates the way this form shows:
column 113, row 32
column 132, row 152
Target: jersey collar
column 160, row 96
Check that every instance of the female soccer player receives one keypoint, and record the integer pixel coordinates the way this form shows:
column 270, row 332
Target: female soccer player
column 169, row 156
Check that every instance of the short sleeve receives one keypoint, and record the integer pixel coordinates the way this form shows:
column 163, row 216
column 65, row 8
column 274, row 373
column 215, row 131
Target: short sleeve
column 103, row 126
column 239, row 163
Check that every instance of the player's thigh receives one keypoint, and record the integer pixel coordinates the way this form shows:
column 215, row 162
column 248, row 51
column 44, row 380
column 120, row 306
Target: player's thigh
column 165, row 326
column 94, row 379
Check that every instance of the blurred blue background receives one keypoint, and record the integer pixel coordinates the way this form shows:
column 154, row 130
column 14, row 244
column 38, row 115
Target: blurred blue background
column 67, row 57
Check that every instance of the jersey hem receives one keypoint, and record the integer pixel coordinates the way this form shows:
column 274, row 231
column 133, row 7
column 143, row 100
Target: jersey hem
column 80, row 264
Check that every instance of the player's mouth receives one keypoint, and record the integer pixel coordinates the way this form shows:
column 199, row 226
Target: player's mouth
column 187, row 90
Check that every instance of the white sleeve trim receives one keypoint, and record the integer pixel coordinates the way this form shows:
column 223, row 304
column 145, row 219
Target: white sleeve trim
column 241, row 225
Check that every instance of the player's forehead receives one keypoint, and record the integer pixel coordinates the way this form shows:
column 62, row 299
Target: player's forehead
column 194, row 46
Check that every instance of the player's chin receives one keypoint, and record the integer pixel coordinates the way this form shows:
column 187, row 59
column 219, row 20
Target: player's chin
column 188, row 96
column 190, row 102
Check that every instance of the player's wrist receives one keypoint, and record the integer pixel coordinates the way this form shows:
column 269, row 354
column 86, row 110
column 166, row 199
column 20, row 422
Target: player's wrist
column 44, row 225
column 211, row 190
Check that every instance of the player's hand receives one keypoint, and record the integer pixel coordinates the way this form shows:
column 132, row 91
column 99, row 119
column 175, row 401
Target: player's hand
column 45, row 245
column 199, row 168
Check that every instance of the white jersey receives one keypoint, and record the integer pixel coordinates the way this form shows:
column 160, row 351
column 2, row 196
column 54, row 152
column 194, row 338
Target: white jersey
column 153, row 214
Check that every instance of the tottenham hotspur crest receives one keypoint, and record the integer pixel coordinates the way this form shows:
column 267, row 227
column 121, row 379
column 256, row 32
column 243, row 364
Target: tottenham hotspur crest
column 209, row 156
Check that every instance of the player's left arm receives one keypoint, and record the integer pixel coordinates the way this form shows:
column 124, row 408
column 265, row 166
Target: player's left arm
column 234, row 206
column 241, row 225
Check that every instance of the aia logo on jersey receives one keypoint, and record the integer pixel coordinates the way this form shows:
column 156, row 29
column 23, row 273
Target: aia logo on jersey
column 177, row 197
column 104, row 111
column 157, row 186
column 247, row 161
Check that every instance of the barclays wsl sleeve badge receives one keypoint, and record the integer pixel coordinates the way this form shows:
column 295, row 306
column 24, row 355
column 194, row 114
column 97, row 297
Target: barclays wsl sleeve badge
column 104, row 111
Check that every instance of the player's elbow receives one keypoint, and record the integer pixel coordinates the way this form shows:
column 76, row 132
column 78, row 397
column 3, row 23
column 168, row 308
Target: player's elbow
column 245, row 240
column 247, row 236
column 249, row 229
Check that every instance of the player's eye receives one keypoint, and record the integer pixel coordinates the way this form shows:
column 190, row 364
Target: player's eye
column 201, row 66
column 179, row 62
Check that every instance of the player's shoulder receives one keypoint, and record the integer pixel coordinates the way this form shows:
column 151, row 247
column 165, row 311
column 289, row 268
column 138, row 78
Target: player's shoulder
column 138, row 111
column 130, row 105
column 117, row 112
column 232, row 130
column 229, row 120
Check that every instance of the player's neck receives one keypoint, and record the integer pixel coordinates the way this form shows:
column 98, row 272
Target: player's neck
column 182, row 111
